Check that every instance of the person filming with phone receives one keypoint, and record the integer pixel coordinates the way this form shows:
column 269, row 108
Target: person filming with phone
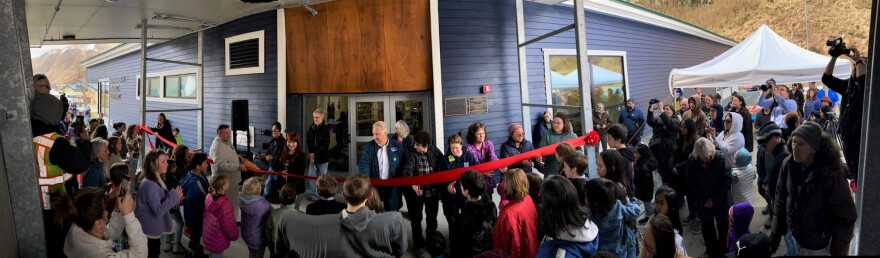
column 852, row 104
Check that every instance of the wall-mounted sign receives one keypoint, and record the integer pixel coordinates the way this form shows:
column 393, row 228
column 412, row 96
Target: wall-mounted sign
column 478, row 105
column 456, row 106
column 466, row 106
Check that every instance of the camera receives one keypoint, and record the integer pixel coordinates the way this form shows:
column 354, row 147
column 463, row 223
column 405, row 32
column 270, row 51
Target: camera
column 838, row 47
column 653, row 101
column 765, row 87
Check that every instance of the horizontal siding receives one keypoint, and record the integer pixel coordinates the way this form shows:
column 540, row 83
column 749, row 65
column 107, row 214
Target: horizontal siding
column 219, row 89
column 478, row 46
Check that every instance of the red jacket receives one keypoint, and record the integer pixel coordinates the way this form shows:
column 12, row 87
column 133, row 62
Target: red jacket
column 516, row 231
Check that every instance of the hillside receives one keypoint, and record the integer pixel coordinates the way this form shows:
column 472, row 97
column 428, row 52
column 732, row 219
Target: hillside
column 736, row 19
column 62, row 65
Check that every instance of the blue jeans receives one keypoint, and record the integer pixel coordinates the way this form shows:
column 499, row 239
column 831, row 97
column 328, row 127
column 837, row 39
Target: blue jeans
column 317, row 170
column 790, row 244
column 178, row 228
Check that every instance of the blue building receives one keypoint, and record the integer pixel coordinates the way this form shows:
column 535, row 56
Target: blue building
column 424, row 63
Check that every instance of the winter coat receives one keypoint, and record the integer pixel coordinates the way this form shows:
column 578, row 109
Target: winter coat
column 471, row 231
column 644, row 182
column 325, row 207
column 629, row 160
column 369, row 162
column 613, row 235
column 709, row 184
column 633, row 120
column 80, row 243
column 153, row 207
column 94, row 176
column 516, row 231
column 729, row 142
column 551, row 165
column 225, row 158
column 318, row 142
column 700, row 118
column 540, row 129
column 509, row 149
column 254, row 213
column 601, row 119
column 852, row 104
column 740, row 217
column 665, row 131
column 297, row 165
column 219, row 224
column 748, row 129
column 772, row 164
column 815, row 203
column 195, row 189
column 744, row 189
column 583, row 243
column 812, row 107
column 363, row 233
column 166, row 131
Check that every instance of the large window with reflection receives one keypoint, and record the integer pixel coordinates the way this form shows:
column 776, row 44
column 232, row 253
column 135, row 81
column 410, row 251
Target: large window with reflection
column 608, row 84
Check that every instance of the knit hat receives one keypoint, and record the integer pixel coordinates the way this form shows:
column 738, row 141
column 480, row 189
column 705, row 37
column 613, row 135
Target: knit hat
column 743, row 157
column 47, row 109
column 752, row 245
column 809, row 132
column 826, row 98
column 767, row 131
column 513, row 127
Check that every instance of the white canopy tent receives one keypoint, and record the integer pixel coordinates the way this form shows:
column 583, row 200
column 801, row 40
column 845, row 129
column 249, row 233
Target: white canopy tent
column 761, row 56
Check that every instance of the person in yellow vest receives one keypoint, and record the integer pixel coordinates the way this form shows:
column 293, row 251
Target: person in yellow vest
column 57, row 161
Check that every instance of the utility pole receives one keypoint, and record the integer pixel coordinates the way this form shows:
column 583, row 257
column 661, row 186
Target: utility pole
column 806, row 27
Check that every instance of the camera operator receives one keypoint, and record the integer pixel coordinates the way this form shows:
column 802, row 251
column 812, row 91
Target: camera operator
column 776, row 98
column 666, row 129
column 852, row 104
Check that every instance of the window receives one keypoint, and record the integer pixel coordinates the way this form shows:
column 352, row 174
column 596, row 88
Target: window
column 608, row 83
column 180, row 86
column 176, row 86
column 245, row 53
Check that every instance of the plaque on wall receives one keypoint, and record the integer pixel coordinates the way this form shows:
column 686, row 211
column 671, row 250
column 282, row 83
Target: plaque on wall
column 478, row 105
column 456, row 106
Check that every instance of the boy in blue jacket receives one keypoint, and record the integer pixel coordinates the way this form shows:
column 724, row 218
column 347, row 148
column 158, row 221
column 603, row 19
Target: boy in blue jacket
column 195, row 188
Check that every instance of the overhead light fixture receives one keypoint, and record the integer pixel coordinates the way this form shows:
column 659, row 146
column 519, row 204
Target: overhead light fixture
column 113, row 1
column 164, row 27
column 311, row 10
column 166, row 17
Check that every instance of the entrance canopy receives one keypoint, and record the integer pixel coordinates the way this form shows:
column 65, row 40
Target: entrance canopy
column 761, row 56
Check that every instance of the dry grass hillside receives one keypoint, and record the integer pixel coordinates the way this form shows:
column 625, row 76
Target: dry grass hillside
column 62, row 65
column 736, row 19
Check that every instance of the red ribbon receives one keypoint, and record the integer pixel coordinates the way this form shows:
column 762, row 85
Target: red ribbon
column 590, row 139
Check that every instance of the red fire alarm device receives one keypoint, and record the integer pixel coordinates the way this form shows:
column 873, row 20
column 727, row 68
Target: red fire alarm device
column 486, row 88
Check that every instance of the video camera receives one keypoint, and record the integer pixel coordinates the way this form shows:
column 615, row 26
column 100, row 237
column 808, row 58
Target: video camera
column 838, row 47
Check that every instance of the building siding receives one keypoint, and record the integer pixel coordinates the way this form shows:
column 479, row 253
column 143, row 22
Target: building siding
column 219, row 89
column 478, row 46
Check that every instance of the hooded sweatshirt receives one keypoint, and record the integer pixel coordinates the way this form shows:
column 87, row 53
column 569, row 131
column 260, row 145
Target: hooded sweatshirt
column 698, row 115
column 612, row 228
column 471, row 232
column 254, row 213
column 577, row 242
column 730, row 141
column 80, row 243
column 740, row 218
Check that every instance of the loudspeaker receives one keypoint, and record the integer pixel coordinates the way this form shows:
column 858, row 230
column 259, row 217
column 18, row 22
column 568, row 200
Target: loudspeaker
column 240, row 114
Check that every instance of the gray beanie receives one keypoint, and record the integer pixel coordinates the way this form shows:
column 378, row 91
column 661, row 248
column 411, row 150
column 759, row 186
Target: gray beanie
column 811, row 133
column 767, row 131
column 46, row 108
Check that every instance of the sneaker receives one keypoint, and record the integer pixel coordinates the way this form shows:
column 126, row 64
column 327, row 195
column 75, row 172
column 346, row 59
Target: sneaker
column 696, row 227
column 166, row 247
column 643, row 221
column 178, row 249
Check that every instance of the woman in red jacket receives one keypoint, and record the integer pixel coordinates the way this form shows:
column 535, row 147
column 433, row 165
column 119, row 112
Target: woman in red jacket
column 516, row 231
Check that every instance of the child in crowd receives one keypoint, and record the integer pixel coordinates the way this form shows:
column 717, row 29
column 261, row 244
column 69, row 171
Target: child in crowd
column 327, row 204
column 470, row 232
column 436, row 245
column 155, row 200
column 172, row 241
column 611, row 215
column 740, row 219
column 568, row 230
column 219, row 223
column 195, row 188
column 254, row 213
column 516, row 231
column 665, row 201
column 118, row 172
column 288, row 198
column 562, row 150
column 574, row 167
column 644, row 178
column 176, row 133
column 535, row 181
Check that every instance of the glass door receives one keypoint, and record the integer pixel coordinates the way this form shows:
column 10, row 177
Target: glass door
column 365, row 112
column 410, row 109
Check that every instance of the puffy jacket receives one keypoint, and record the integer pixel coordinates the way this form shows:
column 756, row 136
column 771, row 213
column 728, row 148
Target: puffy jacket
column 583, row 243
column 509, row 149
column 815, row 203
column 470, row 233
column 254, row 213
column 318, row 141
column 516, row 231
column 153, row 207
column 219, row 225
column 195, row 187
column 613, row 236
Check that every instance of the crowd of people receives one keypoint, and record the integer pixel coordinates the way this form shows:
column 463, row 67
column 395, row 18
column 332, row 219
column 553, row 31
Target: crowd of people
column 97, row 203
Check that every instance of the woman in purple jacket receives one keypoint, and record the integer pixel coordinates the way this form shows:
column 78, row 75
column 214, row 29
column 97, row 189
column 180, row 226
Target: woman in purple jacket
column 155, row 200
column 484, row 151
